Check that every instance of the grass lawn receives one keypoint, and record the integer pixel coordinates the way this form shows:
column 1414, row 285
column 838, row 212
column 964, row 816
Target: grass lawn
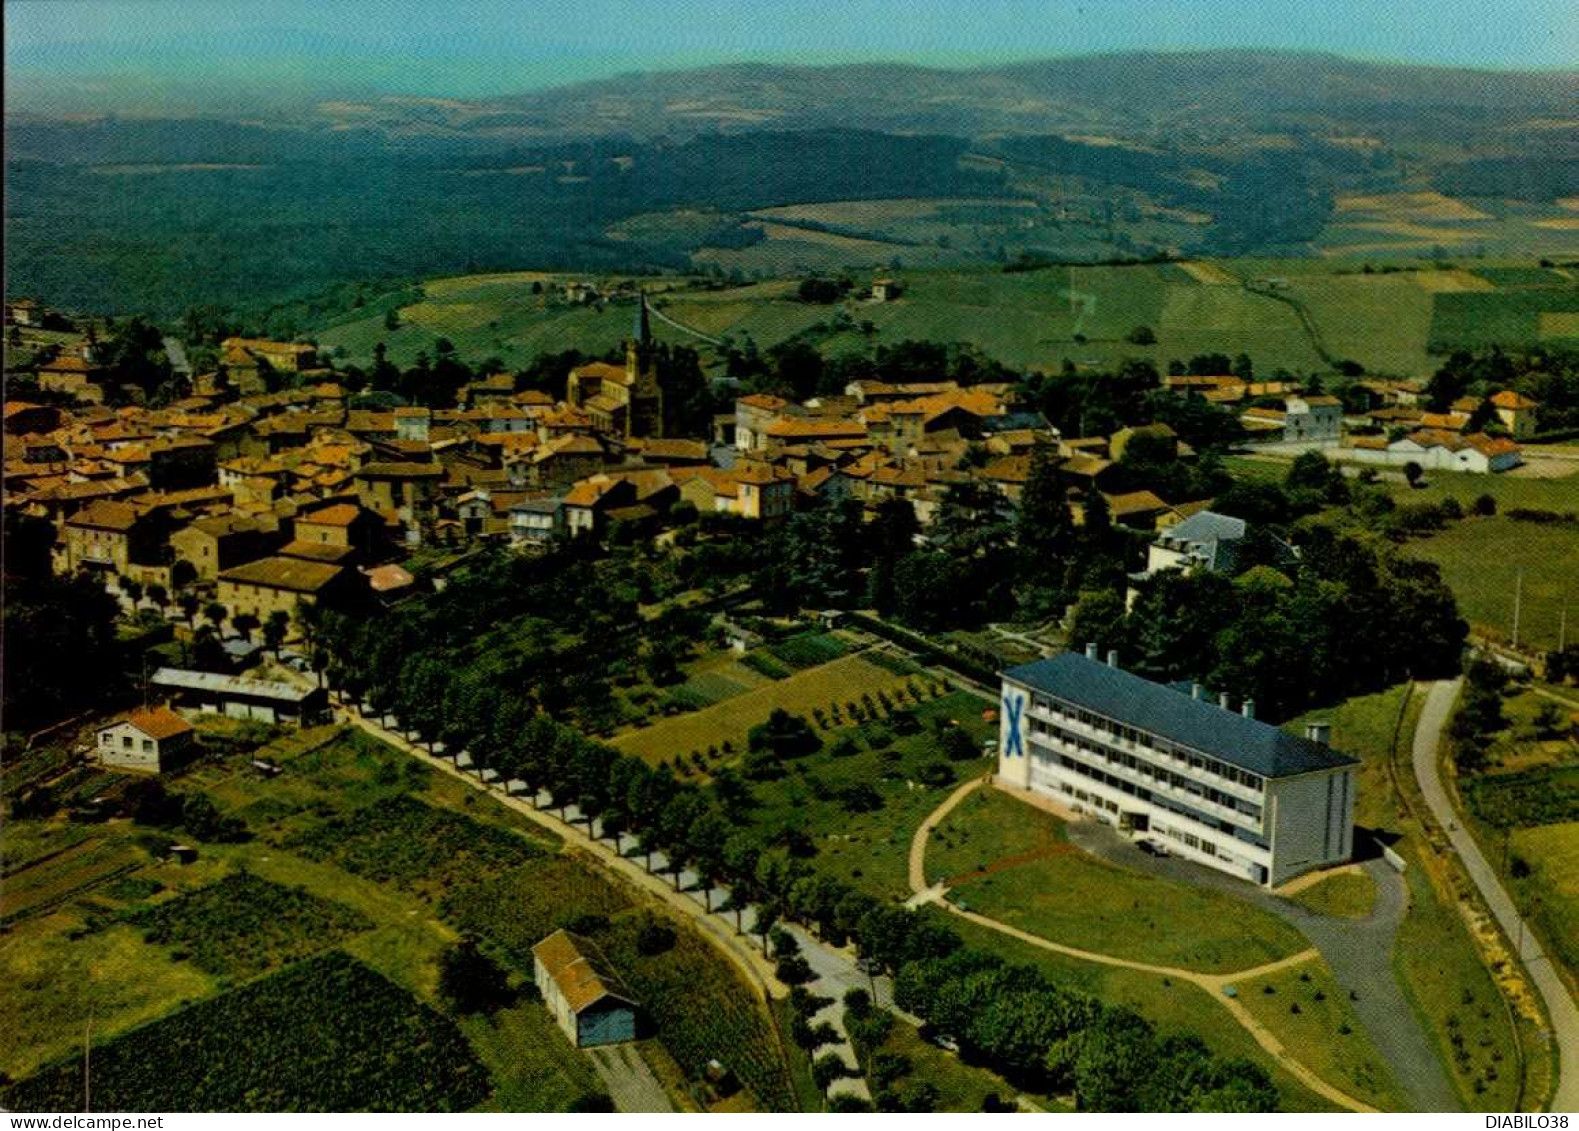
column 1364, row 727
column 1305, row 1008
column 1041, row 884
column 1248, row 469
column 53, row 980
column 836, row 682
column 869, row 848
column 1079, row 901
column 1447, row 982
column 989, row 826
column 1348, row 895
column 1174, row 1007
column 1510, row 491
column 1481, row 559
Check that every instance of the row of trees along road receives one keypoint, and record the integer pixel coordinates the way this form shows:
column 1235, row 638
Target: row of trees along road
column 703, row 828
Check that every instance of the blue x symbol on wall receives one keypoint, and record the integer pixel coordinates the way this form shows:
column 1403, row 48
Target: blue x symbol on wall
column 1013, row 708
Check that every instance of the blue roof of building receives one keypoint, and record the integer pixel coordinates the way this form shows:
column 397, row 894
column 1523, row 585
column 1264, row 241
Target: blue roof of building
column 1199, row 724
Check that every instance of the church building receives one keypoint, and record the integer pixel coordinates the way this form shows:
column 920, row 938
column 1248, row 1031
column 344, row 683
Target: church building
column 623, row 401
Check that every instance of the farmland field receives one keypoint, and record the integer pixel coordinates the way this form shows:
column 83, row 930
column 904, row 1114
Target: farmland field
column 696, row 1003
column 865, row 841
column 408, row 843
column 1481, row 559
column 326, row 1035
column 844, row 678
column 244, row 908
column 1505, row 317
column 244, row 925
column 1034, row 319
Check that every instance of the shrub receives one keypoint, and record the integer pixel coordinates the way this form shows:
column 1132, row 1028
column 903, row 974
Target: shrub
column 827, row 1068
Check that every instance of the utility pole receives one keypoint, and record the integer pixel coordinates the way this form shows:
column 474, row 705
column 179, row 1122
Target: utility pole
column 1518, row 598
column 87, row 1053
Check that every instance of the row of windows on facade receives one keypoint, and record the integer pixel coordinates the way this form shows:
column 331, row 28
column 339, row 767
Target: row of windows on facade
column 1141, row 793
column 1148, row 769
column 127, row 742
column 1194, row 759
column 1205, row 847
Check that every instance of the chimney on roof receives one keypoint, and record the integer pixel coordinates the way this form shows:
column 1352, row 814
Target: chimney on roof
column 1319, row 732
column 1248, row 710
column 1112, row 657
column 1197, row 691
column 1091, row 651
column 1222, row 700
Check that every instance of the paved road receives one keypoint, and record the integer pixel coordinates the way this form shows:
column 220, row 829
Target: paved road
column 1215, row 985
column 1560, row 1006
column 1358, row 951
column 629, row 1080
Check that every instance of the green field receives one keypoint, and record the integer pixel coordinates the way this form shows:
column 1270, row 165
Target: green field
column 1308, row 1011
column 1347, row 895
column 869, row 847
column 388, row 865
column 846, row 678
column 1054, row 890
column 1482, row 558
column 1477, row 320
column 326, row 1035
column 244, row 925
column 1388, row 320
column 1559, row 493
column 1551, row 891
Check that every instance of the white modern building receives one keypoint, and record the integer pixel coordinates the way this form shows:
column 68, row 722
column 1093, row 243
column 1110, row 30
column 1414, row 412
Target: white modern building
column 1214, row 785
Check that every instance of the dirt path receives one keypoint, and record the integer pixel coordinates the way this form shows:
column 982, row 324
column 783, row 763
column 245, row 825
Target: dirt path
column 1213, row 984
column 918, row 843
column 630, row 1082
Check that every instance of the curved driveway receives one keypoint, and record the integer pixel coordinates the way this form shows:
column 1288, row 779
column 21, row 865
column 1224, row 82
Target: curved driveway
column 1560, row 1009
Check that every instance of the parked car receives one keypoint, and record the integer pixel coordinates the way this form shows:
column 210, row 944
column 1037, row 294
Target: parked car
column 1152, row 848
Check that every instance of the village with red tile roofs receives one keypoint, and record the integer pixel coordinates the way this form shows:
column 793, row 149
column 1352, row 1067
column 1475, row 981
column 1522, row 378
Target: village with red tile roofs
column 661, row 740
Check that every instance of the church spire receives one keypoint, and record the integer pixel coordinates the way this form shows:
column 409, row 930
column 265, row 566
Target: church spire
column 641, row 334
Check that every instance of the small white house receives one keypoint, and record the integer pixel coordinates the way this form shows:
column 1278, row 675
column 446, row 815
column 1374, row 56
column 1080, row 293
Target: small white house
column 149, row 738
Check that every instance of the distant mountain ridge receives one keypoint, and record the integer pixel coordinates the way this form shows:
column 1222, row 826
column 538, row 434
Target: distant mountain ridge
column 1203, row 94
column 1133, row 91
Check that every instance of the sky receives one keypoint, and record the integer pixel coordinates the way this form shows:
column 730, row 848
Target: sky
column 82, row 51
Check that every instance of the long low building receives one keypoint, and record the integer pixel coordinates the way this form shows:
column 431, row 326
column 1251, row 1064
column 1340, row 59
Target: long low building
column 1217, row 786
column 237, row 697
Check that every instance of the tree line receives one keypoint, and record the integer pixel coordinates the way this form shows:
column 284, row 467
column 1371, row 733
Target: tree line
column 704, row 828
